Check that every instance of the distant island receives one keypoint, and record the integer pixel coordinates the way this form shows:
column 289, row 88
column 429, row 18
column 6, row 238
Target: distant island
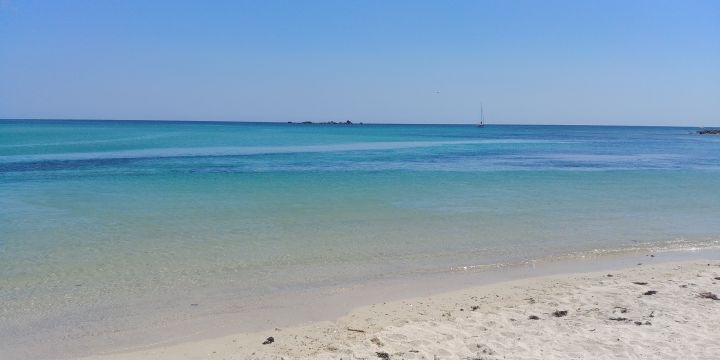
column 348, row 122
column 709, row 132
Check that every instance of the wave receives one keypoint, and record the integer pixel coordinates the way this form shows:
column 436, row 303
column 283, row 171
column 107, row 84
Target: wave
column 677, row 246
column 246, row 150
column 87, row 142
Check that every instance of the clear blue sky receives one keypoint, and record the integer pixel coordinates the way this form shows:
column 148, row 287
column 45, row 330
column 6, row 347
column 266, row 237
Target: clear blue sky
column 579, row 62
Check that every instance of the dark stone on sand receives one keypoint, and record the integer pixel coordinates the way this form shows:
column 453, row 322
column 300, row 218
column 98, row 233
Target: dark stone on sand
column 377, row 341
column 533, row 317
column 716, row 278
column 559, row 313
column 382, row 355
column 709, row 295
column 609, row 275
column 639, row 283
column 269, row 340
column 619, row 319
column 650, row 292
column 474, row 307
column 638, row 323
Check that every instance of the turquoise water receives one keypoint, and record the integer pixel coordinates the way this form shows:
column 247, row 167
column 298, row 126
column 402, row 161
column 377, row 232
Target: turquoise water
column 95, row 213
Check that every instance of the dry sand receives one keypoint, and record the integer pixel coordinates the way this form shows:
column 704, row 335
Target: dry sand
column 610, row 315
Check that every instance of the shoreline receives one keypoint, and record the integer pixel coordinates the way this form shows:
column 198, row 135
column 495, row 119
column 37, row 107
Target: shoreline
column 327, row 305
column 217, row 312
column 610, row 301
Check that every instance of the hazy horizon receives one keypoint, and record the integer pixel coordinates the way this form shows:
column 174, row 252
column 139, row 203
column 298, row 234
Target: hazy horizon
column 338, row 121
column 421, row 62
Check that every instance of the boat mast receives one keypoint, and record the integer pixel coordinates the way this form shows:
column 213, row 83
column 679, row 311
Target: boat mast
column 482, row 115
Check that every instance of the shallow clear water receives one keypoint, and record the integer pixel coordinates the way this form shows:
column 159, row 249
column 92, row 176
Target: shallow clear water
column 93, row 214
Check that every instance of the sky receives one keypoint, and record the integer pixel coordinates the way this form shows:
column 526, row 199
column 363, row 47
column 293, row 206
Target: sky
column 529, row 62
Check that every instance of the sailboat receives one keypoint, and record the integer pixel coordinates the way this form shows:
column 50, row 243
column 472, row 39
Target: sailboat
column 482, row 117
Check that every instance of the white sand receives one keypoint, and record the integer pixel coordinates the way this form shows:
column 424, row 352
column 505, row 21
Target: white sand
column 674, row 323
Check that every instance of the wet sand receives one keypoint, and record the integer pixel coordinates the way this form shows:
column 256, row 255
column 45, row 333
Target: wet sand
column 664, row 310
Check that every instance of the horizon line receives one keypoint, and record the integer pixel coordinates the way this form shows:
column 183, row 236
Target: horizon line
column 339, row 122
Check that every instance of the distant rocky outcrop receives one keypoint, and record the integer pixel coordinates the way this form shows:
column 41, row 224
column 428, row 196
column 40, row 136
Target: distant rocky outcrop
column 709, row 132
column 338, row 122
column 348, row 122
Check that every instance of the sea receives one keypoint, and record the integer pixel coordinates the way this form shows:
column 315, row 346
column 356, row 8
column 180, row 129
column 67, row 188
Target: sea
column 98, row 217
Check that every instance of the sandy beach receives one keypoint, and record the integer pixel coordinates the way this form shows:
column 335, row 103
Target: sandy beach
column 667, row 311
